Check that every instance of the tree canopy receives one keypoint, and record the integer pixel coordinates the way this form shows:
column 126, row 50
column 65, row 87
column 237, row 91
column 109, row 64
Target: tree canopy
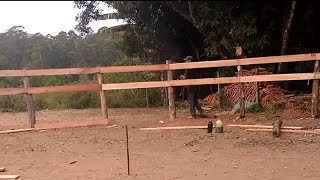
column 19, row 49
column 160, row 30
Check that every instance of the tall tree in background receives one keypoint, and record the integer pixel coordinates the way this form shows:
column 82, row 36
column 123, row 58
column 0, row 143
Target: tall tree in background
column 12, row 45
column 18, row 49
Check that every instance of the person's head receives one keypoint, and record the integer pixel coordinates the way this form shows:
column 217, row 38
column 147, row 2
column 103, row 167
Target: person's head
column 188, row 59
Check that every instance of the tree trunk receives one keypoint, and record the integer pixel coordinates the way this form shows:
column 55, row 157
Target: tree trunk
column 282, row 68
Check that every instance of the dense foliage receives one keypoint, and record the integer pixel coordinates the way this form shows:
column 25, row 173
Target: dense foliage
column 209, row 30
column 18, row 49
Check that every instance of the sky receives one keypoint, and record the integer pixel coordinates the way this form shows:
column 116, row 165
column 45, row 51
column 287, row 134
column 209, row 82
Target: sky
column 46, row 17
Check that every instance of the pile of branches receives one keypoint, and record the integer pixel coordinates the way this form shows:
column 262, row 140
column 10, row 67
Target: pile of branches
column 270, row 92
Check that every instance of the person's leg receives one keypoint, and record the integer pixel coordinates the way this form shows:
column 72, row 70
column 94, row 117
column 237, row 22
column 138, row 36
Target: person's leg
column 192, row 104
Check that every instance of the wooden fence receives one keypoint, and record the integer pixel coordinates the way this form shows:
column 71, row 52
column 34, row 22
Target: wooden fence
column 170, row 83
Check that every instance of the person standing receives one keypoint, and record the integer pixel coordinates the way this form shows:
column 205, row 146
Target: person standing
column 192, row 90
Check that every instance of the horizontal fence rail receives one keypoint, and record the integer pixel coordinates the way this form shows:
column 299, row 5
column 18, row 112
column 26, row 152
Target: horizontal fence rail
column 161, row 67
column 170, row 66
column 206, row 81
column 50, row 89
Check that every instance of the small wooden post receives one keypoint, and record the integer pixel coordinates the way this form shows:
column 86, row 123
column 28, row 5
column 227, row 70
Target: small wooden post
column 219, row 91
column 103, row 98
column 172, row 107
column 315, row 93
column 30, row 104
column 257, row 88
column 241, row 85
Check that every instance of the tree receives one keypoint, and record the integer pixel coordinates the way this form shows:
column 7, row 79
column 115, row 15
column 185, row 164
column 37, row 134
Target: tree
column 12, row 45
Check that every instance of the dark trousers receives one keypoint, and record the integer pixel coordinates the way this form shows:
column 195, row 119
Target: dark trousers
column 193, row 102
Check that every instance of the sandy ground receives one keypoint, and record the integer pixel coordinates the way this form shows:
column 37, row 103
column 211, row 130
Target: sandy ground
column 100, row 152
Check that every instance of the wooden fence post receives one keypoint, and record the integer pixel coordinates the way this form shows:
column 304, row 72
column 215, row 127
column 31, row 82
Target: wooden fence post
column 315, row 93
column 241, row 86
column 103, row 98
column 219, row 92
column 30, row 104
column 172, row 106
column 257, row 88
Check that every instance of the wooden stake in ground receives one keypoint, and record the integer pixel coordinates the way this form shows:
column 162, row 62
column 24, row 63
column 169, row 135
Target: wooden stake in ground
column 128, row 157
column 30, row 106
column 276, row 128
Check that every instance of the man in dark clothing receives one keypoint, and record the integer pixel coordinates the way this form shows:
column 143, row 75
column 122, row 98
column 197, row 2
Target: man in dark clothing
column 192, row 90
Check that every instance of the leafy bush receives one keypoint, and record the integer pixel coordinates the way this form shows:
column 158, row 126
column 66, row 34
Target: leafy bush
column 255, row 108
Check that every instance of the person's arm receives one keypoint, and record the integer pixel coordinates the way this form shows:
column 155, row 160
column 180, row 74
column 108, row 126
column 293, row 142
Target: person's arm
column 185, row 75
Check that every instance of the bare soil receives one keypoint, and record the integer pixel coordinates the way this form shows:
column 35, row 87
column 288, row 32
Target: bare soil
column 99, row 152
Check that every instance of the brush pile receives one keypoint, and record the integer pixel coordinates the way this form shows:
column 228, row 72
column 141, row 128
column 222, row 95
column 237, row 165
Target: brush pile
column 270, row 92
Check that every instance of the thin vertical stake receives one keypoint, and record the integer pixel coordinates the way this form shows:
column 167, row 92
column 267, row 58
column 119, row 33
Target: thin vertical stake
column 128, row 150
column 219, row 91
column 147, row 98
column 257, row 88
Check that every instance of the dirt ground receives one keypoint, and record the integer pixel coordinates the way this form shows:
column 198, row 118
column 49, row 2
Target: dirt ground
column 99, row 152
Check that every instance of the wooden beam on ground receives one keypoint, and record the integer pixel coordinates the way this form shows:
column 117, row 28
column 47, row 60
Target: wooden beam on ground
column 2, row 169
column 171, row 97
column 47, row 126
column 262, row 127
column 174, row 128
column 9, row 177
column 17, row 130
column 285, row 131
column 71, row 124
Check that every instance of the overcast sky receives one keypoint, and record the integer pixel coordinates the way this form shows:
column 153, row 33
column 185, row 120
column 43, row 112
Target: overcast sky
column 46, row 17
